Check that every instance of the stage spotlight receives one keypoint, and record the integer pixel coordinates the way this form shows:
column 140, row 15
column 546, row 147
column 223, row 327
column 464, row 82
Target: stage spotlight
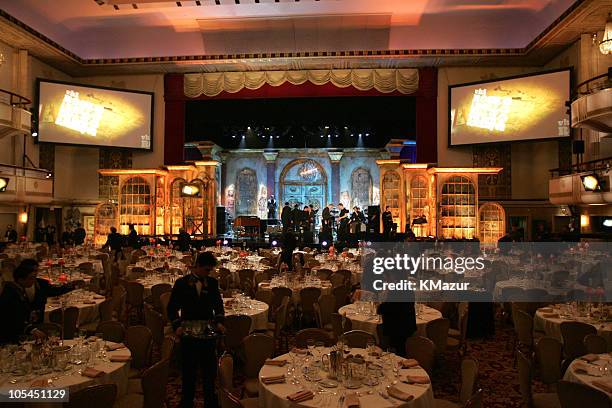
column 34, row 134
column 328, row 136
column 326, row 127
column 352, row 135
column 607, row 222
column 274, row 243
column 23, row 217
column 225, row 242
column 591, row 182
column 367, row 134
column 3, row 184
column 190, row 190
column 49, row 175
column 321, row 136
column 248, row 128
column 324, row 243
column 360, row 135
column 243, row 136
column 233, row 136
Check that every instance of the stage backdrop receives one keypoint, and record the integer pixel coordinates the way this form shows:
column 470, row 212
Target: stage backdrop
column 421, row 84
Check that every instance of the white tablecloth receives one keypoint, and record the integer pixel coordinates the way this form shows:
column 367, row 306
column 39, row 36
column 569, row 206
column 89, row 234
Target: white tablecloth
column 258, row 312
column 275, row 395
column 572, row 375
column 552, row 326
column 326, row 289
column 368, row 323
column 88, row 307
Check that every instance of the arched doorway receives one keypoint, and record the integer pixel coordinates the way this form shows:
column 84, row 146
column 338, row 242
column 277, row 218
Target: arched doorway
column 304, row 182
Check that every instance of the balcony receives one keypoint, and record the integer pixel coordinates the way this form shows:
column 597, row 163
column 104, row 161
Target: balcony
column 15, row 118
column 26, row 185
column 568, row 189
column 592, row 106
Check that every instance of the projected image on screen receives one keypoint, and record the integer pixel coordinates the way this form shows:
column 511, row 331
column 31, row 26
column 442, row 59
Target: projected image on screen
column 73, row 114
column 525, row 108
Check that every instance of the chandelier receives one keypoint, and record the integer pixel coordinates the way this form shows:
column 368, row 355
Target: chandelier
column 605, row 45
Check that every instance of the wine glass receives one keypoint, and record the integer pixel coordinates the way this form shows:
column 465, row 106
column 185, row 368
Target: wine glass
column 319, row 345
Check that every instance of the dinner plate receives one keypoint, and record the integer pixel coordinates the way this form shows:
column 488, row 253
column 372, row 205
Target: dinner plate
column 352, row 384
column 328, row 383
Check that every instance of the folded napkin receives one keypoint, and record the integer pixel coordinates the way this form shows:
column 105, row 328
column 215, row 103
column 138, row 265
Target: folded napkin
column 399, row 394
column 299, row 351
column 584, row 368
column 278, row 363
column 119, row 359
column 546, row 309
column 604, row 385
column 351, row 401
column 417, row 379
column 301, row 396
column 273, row 379
column 551, row 315
column 89, row 302
column 408, row 363
column 40, row 383
column 114, row 346
column 589, row 358
column 92, row 372
column 99, row 297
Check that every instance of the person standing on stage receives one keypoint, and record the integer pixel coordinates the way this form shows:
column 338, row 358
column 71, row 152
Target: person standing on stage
column 387, row 222
column 308, row 225
column 272, row 208
column 296, row 218
column 197, row 297
column 327, row 221
column 286, row 217
column 343, row 220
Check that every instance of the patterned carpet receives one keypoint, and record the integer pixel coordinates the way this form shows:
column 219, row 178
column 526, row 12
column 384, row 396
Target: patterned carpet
column 497, row 377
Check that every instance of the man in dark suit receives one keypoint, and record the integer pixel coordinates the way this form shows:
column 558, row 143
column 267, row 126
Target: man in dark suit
column 10, row 235
column 296, row 218
column 286, row 217
column 387, row 222
column 327, row 221
column 79, row 235
column 197, row 297
column 23, row 302
column 132, row 238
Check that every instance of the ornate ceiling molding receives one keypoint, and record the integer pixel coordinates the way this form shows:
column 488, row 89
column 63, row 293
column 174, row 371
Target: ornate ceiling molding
column 584, row 16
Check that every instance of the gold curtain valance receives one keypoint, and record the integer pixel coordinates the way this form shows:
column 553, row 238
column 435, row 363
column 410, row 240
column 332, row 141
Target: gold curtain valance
column 405, row 81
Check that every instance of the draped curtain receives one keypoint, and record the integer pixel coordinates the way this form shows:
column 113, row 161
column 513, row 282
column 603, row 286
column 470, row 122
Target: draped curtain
column 405, row 81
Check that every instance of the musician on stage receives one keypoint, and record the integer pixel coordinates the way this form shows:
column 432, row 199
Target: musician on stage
column 387, row 222
column 296, row 218
column 272, row 208
column 343, row 224
column 286, row 217
column 356, row 221
column 308, row 225
column 327, row 222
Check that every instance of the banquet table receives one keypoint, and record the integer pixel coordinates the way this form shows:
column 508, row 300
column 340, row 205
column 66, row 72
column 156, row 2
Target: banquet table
column 87, row 303
column 155, row 279
column 256, row 310
column 598, row 371
column 527, row 284
column 549, row 321
column 275, row 395
column 325, row 286
column 368, row 322
column 114, row 373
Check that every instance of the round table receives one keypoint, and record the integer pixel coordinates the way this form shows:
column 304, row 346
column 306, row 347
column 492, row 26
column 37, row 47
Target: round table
column 325, row 286
column 579, row 371
column 368, row 323
column 86, row 302
column 153, row 280
column 550, row 323
column 114, row 373
column 256, row 310
column 275, row 395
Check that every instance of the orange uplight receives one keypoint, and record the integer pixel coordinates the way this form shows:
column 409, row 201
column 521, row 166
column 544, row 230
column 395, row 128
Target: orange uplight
column 585, row 221
column 23, row 217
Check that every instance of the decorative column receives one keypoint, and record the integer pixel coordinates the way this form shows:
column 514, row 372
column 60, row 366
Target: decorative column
column 270, row 157
column 335, row 158
column 222, row 181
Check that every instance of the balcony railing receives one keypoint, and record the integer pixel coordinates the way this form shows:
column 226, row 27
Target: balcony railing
column 15, row 118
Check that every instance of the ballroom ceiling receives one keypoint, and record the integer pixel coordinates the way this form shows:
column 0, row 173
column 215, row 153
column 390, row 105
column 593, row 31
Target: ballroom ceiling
column 116, row 36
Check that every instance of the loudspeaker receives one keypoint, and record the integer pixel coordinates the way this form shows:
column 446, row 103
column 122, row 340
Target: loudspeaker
column 374, row 219
column 578, row 147
column 221, row 220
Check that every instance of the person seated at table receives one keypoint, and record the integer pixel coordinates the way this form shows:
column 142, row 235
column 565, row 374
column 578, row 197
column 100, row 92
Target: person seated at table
column 197, row 297
column 23, row 301
column 285, row 258
column 398, row 323
column 183, row 240
column 10, row 235
column 132, row 238
column 66, row 238
column 79, row 234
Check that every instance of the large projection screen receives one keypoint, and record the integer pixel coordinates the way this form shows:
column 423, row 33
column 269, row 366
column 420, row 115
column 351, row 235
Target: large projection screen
column 94, row 116
column 519, row 108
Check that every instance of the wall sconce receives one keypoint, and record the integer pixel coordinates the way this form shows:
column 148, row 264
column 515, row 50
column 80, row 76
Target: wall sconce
column 3, row 184
column 190, row 190
column 23, row 217
column 584, row 220
column 2, row 59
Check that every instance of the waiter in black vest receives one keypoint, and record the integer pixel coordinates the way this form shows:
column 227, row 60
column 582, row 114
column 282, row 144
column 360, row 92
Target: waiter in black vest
column 197, row 297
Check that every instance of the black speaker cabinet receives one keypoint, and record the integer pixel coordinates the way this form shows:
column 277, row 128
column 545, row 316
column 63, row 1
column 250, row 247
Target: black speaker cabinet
column 578, row 147
column 221, row 220
column 374, row 219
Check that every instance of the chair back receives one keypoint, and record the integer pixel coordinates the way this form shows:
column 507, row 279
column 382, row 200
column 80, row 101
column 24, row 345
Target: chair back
column 156, row 292
column 95, row 396
column 549, row 354
column 257, row 348
column 278, row 294
column 49, row 329
column 155, row 322
column 347, row 275
column 118, row 297
column 324, row 274
column 576, row 395
column 302, row 337
column 340, row 324
column 238, row 327
column 111, row 330
column 573, row 334
column 167, row 348
column 225, row 371
column 336, row 279
column 138, row 340
column 523, row 326
column 264, row 296
column 327, row 304
column 86, row 267
column 154, row 380
column 437, row 332
column 595, row 344
column 475, row 400
column 164, row 299
column 70, row 318
column 308, row 296
column 135, row 293
column 281, row 317
column 228, row 400
column 524, row 372
column 357, row 338
column 512, row 294
column 422, row 350
column 469, row 378
column 341, row 294
column 106, row 310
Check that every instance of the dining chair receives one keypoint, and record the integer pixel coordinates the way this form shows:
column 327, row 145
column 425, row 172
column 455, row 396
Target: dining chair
column 278, row 293
column 548, row 355
column 164, row 300
column 437, row 332
column 68, row 319
column 229, row 400
column 530, row 399
column 523, row 328
column 257, row 348
column 357, row 338
column 469, row 378
column 154, row 380
column 336, row 279
column 327, row 304
column 94, row 396
column 340, row 324
column 135, row 299
column 308, row 296
column 573, row 334
column 341, row 293
column 225, row 373
column 422, row 350
column 595, row 344
column 154, row 321
column 237, row 328
column 575, row 395
column 324, row 274
column 111, row 330
column 475, row 400
column 138, row 340
column 302, row 337
column 275, row 329
column 156, row 291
